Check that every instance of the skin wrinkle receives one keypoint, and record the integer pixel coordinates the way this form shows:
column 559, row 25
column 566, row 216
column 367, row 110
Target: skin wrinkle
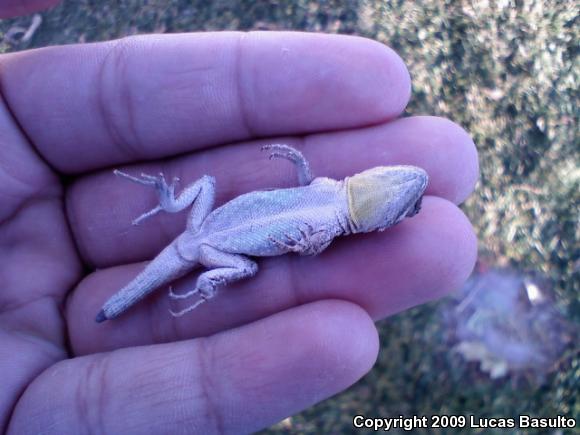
column 119, row 134
column 154, row 329
column 377, row 55
column 21, row 390
column 115, row 62
column 6, row 316
column 205, row 355
column 291, row 275
column 41, row 190
column 242, row 100
column 40, row 195
column 24, row 204
column 71, row 213
column 52, row 192
column 5, row 424
column 6, row 306
column 86, row 392
column 49, row 350
column 69, row 249
column 183, row 397
column 227, row 189
column 103, row 391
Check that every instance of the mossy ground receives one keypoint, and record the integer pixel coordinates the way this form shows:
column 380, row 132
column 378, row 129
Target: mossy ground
column 508, row 72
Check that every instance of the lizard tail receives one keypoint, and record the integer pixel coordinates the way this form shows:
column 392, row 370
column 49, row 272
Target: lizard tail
column 166, row 267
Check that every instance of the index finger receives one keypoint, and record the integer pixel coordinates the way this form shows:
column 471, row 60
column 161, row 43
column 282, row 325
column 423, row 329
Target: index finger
column 154, row 96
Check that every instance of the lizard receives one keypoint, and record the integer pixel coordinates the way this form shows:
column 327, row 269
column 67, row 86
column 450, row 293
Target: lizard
column 263, row 223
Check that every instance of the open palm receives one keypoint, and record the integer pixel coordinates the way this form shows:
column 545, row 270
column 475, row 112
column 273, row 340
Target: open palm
column 188, row 105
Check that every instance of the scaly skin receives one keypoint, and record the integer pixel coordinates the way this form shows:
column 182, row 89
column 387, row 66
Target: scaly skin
column 302, row 219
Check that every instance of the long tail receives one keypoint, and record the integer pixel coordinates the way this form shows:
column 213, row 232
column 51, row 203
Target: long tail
column 166, row 267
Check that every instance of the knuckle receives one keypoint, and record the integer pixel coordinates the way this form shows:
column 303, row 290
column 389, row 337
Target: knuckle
column 92, row 394
column 116, row 103
column 208, row 388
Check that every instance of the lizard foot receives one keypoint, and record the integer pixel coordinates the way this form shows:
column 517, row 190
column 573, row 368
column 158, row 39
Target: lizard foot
column 186, row 295
column 206, row 288
column 149, row 180
column 188, row 309
column 165, row 192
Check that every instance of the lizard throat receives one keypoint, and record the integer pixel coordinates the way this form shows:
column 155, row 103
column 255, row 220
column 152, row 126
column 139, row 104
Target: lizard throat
column 362, row 203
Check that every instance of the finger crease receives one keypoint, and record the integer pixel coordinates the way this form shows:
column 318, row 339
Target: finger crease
column 113, row 69
column 91, row 395
column 244, row 113
column 207, row 387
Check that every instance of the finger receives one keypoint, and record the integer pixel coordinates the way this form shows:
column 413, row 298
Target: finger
column 154, row 96
column 221, row 384
column 101, row 207
column 384, row 272
column 15, row 8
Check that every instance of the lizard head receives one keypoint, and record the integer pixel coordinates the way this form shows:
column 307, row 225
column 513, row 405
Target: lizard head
column 383, row 196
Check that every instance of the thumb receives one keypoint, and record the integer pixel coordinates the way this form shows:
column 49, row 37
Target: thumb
column 236, row 381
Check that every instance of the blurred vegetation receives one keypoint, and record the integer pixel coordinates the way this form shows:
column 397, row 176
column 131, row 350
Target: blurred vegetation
column 508, row 72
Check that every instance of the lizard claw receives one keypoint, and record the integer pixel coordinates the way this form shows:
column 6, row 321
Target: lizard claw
column 281, row 150
column 149, row 178
column 145, row 179
column 174, row 295
column 188, row 309
column 165, row 192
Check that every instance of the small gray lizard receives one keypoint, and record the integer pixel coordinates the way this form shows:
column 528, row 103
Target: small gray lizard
column 265, row 223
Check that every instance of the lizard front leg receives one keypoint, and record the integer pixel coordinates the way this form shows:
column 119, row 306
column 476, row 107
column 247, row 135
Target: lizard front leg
column 308, row 242
column 225, row 268
column 286, row 152
column 201, row 194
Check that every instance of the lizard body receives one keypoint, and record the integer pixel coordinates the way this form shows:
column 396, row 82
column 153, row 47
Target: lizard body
column 302, row 219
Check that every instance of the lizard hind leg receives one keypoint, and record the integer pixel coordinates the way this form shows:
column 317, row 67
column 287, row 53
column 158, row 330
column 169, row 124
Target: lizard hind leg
column 187, row 310
column 200, row 195
column 224, row 268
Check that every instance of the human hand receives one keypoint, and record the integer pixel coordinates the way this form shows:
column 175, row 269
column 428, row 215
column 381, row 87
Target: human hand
column 302, row 329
